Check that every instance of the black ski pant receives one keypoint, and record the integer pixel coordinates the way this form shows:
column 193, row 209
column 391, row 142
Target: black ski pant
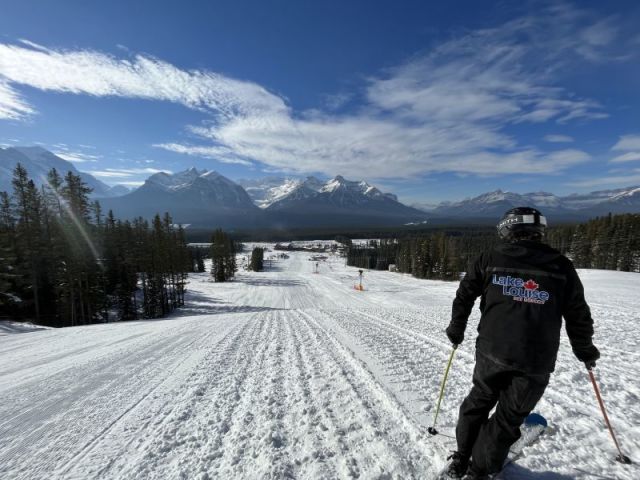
column 487, row 440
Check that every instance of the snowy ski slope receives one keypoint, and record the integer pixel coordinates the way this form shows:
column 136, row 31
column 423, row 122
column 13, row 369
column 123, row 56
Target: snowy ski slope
column 289, row 374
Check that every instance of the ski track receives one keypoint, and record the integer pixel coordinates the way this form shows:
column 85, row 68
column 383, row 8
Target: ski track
column 288, row 374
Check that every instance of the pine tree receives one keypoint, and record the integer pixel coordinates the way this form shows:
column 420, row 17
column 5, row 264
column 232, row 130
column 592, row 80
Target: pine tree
column 9, row 278
column 223, row 257
column 28, row 233
column 257, row 259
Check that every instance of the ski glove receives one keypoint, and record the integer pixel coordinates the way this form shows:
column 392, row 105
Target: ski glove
column 455, row 336
column 590, row 364
column 588, row 354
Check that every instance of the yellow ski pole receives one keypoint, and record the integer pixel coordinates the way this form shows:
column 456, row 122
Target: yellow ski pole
column 432, row 430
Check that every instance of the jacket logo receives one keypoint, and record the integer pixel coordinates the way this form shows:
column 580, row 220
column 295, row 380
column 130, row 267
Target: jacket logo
column 521, row 291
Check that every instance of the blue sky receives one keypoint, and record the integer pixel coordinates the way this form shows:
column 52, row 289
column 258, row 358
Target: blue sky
column 431, row 100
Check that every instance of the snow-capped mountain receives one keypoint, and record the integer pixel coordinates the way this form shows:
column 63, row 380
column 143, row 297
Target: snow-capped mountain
column 38, row 162
column 284, row 194
column 278, row 191
column 266, row 191
column 193, row 196
column 494, row 204
column 200, row 186
column 340, row 201
column 617, row 201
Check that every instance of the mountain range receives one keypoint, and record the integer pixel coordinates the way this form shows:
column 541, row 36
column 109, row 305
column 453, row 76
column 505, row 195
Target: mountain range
column 494, row 204
column 39, row 161
column 207, row 199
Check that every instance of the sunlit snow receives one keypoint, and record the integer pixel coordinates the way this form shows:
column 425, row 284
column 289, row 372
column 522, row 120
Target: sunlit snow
column 291, row 374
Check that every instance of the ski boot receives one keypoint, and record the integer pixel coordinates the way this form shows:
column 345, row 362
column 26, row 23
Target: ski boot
column 458, row 465
column 474, row 475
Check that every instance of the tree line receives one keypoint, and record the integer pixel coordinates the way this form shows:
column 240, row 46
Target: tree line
column 441, row 255
column 63, row 262
column 611, row 242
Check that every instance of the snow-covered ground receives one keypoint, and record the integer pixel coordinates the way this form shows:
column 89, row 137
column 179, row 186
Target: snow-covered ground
column 8, row 327
column 290, row 374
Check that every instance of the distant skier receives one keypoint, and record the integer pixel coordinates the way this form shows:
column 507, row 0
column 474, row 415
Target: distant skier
column 526, row 287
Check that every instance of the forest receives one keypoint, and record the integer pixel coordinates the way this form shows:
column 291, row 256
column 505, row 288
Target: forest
column 64, row 262
column 611, row 242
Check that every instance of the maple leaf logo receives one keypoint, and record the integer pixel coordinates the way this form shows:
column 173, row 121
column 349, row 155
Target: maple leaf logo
column 530, row 285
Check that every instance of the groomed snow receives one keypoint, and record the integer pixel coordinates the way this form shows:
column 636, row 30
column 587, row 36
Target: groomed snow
column 290, row 374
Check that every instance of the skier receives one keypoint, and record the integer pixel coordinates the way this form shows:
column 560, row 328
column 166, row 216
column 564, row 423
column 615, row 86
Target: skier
column 526, row 287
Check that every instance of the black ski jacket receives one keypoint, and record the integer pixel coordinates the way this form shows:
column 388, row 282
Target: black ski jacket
column 526, row 289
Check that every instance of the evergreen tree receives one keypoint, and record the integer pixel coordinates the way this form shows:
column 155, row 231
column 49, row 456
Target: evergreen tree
column 9, row 279
column 257, row 259
column 223, row 257
column 60, row 255
column 28, row 233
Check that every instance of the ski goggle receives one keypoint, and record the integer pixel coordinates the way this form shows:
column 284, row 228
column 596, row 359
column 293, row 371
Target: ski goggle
column 530, row 219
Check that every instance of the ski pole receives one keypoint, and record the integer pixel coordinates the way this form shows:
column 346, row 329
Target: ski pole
column 620, row 458
column 432, row 430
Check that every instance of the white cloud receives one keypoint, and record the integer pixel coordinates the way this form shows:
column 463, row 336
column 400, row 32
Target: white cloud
column 630, row 144
column 629, row 179
column 221, row 154
column 12, row 106
column 337, row 100
column 34, row 45
column 626, row 157
column 125, row 172
column 627, row 143
column 446, row 111
column 94, row 73
column 558, row 138
column 131, row 183
column 76, row 157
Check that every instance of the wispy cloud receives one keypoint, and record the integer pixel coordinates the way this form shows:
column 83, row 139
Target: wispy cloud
column 626, row 157
column 337, row 100
column 76, row 157
column 558, row 138
column 131, row 183
column 219, row 153
column 75, row 154
column 445, row 111
column 631, row 178
column 94, row 73
column 12, row 106
column 627, row 143
column 125, row 172
column 630, row 144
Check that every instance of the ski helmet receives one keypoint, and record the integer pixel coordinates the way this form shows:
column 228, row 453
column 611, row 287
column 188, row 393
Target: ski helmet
column 522, row 223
